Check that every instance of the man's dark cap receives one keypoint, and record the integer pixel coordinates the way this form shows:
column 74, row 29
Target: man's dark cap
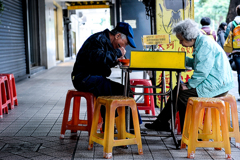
column 126, row 29
column 205, row 21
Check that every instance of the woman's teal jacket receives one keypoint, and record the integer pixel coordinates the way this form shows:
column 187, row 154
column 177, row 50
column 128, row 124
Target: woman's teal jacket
column 212, row 74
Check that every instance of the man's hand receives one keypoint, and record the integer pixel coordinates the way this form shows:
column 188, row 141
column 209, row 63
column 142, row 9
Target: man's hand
column 183, row 86
column 122, row 50
column 120, row 58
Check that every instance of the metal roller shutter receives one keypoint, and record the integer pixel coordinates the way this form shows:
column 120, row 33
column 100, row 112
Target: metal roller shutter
column 12, row 43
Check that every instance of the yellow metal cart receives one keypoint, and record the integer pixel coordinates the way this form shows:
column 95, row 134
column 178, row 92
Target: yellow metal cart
column 156, row 61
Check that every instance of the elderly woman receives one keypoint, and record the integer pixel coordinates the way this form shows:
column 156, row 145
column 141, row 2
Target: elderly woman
column 212, row 76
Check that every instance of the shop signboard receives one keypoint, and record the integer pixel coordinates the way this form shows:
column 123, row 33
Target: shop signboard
column 168, row 13
column 155, row 39
column 87, row 5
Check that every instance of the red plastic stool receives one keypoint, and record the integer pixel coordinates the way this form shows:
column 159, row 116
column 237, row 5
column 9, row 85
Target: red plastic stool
column 177, row 124
column 13, row 90
column 5, row 97
column 75, row 123
column 147, row 99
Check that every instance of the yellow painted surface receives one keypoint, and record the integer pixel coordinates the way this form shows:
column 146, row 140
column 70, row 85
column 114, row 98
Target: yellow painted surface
column 169, row 13
column 159, row 59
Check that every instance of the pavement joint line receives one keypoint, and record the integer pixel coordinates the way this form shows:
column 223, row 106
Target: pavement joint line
column 168, row 148
column 1, row 149
column 76, row 145
column 148, row 147
column 36, row 149
column 208, row 153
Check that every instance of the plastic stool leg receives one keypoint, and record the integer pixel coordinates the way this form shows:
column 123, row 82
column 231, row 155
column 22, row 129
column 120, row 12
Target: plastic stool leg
column 225, row 134
column 14, row 92
column 193, row 133
column 146, row 100
column 91, row 101
column 207, row 127
column 235, row 133
column 216, row 126
column 177, row 124
column 94, row 125
column 120, row 123
column 1, row 112
column 152, row 103
column 10, row 88
column 5, row 101
column 75, row 112
column 65, row 114
column 109, row 132
column 137, row 129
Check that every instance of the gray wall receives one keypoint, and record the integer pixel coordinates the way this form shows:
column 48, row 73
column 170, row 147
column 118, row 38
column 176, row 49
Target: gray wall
column 50, row 57
column 135, row 10
column 42, row 33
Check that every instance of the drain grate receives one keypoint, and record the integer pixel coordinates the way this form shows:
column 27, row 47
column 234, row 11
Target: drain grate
column 19, row 147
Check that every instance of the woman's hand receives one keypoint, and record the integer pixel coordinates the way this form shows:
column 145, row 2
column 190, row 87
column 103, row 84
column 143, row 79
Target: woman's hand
column 183, row 86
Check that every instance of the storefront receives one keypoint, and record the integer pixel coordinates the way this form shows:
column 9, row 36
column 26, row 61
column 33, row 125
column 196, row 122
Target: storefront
column 12, row 42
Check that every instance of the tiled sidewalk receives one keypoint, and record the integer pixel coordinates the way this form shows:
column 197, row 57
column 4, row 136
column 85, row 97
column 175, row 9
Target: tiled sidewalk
column 32, row 129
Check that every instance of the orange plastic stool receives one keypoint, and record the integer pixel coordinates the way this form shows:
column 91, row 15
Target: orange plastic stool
column 75, row 123
column 190, row 134
column 177, row 124
column 107, row 138
column 148, row 100
column 234, row 129
column 13, row 90
column 5, row 97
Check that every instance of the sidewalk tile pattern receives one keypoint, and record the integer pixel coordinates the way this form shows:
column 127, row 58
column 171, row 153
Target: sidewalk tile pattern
column 32, row 129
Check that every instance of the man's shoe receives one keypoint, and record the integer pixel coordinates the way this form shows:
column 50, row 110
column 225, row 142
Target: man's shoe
column 158, row 126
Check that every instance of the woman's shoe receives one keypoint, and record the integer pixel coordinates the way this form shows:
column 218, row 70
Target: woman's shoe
column 158, row 126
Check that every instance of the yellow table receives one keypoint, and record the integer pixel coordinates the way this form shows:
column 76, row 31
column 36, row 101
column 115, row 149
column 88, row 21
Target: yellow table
column 156, row 61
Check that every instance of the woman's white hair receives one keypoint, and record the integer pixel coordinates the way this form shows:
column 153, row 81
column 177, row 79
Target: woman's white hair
column 187, row 28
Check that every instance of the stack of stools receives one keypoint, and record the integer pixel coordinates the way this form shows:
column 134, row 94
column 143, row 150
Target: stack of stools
column 13, row 91
column 107, row 138
column 148, row 104
column 75, row 124
column 190, row 134
column 5, row 97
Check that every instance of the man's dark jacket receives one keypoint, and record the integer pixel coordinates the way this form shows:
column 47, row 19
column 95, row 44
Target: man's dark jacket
column 96, row 57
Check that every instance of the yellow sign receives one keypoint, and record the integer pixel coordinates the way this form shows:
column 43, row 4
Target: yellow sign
column 168, row 13
column 155, row 39
column 87, row 5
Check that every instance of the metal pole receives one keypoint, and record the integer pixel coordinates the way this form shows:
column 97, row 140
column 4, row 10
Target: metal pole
column 153, row 31
column 126, row 94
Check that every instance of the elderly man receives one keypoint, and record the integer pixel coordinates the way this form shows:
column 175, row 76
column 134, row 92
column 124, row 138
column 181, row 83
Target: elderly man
column 212, row 76
column 99, row 53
